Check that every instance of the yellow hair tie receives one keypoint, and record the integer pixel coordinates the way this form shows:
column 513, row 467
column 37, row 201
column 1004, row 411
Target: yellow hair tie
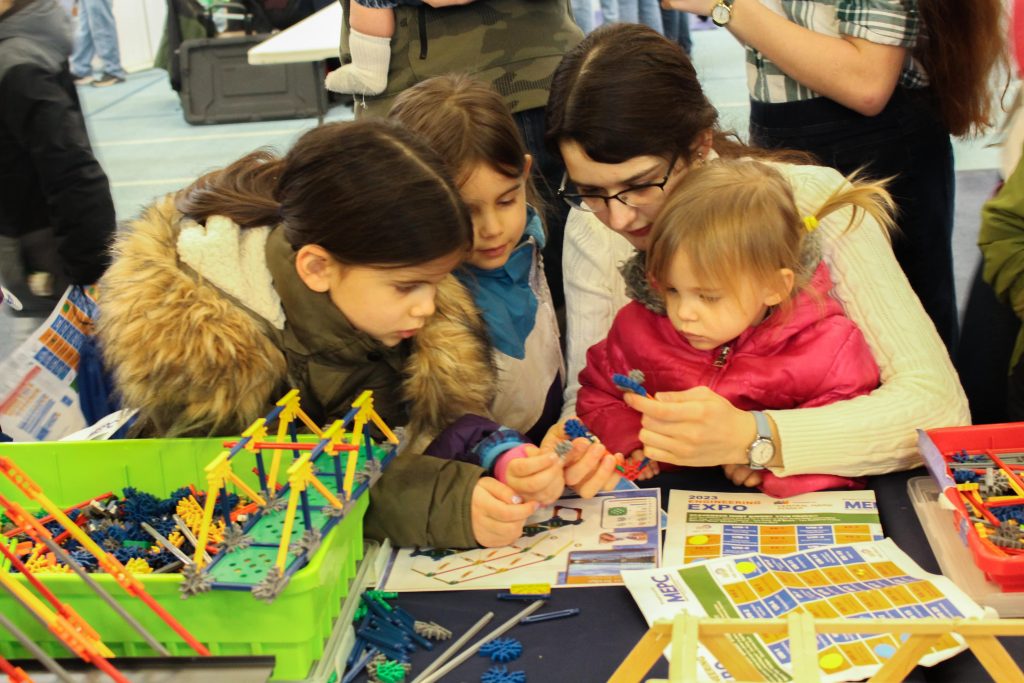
column 810, row 223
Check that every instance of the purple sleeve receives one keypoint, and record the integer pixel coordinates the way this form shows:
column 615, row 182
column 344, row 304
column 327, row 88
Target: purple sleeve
column 458, row 440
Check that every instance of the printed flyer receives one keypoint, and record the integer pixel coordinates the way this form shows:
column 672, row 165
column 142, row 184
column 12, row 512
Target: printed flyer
column 38, row 395
column 705, row 525
column 575, row 542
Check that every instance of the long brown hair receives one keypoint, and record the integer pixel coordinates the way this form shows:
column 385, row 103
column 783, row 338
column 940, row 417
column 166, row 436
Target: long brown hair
column 626, row 91
column 467, row 123
column 368, row 192
column 962, row 44
column 738, row 218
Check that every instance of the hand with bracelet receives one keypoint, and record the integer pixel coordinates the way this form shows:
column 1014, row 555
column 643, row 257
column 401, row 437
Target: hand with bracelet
column 699, row 428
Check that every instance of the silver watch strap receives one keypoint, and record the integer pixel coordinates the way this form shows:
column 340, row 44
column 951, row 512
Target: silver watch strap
column 764, row 429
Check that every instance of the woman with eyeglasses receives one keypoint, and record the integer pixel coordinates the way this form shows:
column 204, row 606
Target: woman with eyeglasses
column 629, row 118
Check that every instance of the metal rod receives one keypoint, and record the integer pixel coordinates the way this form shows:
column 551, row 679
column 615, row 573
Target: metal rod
column 546, row 616
column 469, row 652
column 46, row 660
column 454, row 647
column 76, row 567
column 187, row 533
column 163, row 540
column 169, row 568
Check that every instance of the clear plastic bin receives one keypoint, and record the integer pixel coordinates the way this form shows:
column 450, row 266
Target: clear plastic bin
column 953, row 556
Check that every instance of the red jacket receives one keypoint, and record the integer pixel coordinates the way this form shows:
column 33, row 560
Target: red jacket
column 813, row 356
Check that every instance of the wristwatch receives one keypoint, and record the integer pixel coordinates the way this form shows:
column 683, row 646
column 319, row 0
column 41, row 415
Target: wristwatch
column 762, row 450
column 722, row 12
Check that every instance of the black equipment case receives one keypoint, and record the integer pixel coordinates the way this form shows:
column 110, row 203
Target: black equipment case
column 218, row 85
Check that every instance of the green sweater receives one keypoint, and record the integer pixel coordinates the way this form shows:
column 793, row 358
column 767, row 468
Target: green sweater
column 420, row 500
column 196, row 360
column 515, row 45
column 1001, row 239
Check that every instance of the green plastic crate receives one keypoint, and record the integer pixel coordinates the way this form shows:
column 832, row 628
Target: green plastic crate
column 293, row 628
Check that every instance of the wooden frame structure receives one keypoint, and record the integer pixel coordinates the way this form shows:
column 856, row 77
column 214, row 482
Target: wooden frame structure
column 687, row 630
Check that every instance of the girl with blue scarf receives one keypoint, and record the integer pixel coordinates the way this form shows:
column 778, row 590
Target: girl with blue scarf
column 470, row 127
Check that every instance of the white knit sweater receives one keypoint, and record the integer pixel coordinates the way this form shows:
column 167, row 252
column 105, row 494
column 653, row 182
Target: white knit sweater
column 867, row 435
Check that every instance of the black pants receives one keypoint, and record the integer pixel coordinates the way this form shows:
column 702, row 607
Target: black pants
column 907, row 142
column 986, row 345
column 547, row 175
column 1015, row 393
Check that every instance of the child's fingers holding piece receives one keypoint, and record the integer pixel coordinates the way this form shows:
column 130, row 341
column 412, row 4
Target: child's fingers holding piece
column 498, row 513
column 537, row 478
column 601, row 477
column 525, row 467
column 579, row 448
column 585, row 462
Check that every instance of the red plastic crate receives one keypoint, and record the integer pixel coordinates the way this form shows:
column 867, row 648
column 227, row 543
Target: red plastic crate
column 1007, row 571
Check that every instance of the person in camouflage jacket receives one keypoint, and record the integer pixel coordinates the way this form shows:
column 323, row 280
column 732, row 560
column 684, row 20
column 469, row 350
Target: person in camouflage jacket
column 515, row 46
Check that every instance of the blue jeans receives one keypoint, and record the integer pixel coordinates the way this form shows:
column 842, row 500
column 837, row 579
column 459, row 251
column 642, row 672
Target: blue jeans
column 609, row 11
column 96, row 35
column 677, row 28
column 646, row 12
column 583, row 13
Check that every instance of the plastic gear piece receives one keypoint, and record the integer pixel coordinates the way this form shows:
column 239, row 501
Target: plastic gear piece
column 631, row 470
column 331, row 511
column 390, row 671
column 575, row 429
column 633, row 382
column 372, row 470
column 502, row 649
column 85, row 558
column 137, row 565
column 277, row 504
column 307, row 543
column 271, row 586
column 965, row 476
column 399, row 433
column 501, row 674
column 431, row 630
column 139, row 506
column 562, row 448
column 234, row 539
column 194, row 581
column 377, row 660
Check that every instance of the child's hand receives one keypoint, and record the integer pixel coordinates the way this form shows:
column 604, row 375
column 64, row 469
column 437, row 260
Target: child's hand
column 590, row 468
column 539, row 476
column 497, row 513
column 650, row 469
column 741, row 475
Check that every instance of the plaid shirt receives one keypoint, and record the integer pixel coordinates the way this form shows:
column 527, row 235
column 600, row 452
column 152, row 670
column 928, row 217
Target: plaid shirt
column 886, row 22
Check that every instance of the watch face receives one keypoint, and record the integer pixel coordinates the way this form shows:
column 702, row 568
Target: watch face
column 720, row 14
column 761, row 452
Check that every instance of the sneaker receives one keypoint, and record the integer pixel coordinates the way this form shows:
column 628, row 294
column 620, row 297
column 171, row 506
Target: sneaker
column 107, row 79
column 84, row 80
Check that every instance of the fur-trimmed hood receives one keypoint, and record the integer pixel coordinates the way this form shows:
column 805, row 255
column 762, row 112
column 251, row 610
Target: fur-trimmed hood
column 200, row 358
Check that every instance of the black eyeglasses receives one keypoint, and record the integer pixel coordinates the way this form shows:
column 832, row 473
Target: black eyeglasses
column 635, row 196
